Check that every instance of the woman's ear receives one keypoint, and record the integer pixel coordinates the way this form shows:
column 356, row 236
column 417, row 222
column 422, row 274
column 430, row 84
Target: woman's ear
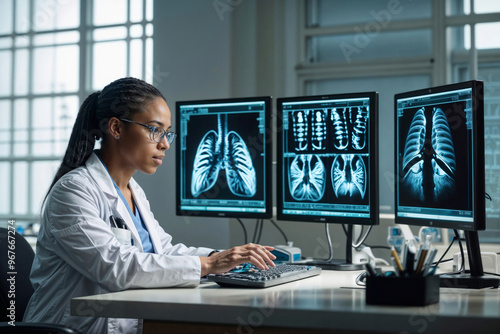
column 114, row 127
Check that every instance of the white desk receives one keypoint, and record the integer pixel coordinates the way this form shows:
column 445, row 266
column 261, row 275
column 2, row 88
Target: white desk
column 331, row 301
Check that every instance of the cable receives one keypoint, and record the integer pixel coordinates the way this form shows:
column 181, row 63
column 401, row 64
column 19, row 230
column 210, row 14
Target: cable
column 436, row 264
column 462, row 267
column 358, row 242
column 261, row 225
column 279, row 229
column 257, row 233
column 330, row 247
column 244, row 229
column 361, row 240
column 378, row 247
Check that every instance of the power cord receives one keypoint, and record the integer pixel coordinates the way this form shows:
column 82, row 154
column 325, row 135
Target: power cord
column 244, row 229
column 257, row 233
column 281, row 231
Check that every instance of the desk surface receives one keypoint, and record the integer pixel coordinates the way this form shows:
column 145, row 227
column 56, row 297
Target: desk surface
column 331, row 300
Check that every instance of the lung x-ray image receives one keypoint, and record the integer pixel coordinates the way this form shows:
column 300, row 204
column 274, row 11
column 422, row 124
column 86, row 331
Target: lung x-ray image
column 429, row 161
column 223, row 150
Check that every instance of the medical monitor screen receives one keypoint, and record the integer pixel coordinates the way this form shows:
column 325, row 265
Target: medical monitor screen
column 224, row 158
column 439, row 137
column 327, row 158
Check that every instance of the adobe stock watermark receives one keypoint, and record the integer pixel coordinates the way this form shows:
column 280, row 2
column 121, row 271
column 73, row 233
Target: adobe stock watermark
column 11, row 274
column 365, row 34
column 45, row 12
column 225, row 6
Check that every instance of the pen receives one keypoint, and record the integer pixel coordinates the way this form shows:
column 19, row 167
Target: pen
column 423, row 253
column 403, row 255
column 118, row 222
column 410, row 258
column 112, row 220
column 429, row 261
column 397, row 266
column 397, row 271
column 370, row 269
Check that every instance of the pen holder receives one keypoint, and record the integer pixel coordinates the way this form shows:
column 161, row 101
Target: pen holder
column 404, row 291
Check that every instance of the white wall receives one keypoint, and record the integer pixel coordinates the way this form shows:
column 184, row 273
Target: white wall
column 191, row 61
column 206, row 50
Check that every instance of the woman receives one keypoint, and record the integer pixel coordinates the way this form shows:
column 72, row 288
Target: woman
column 78, row 253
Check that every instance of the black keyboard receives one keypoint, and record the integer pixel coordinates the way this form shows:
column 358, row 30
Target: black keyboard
column 251, row 277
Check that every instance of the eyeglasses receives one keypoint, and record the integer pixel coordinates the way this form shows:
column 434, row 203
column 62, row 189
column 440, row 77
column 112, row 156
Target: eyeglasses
column 156, row 134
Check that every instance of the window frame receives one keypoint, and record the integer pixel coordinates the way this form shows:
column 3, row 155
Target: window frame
column 86, row 44
column 441, row 66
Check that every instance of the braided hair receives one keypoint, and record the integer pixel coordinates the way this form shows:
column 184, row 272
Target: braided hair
column 121, row 99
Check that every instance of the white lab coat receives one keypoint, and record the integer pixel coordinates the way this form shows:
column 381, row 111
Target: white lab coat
column 77, row 254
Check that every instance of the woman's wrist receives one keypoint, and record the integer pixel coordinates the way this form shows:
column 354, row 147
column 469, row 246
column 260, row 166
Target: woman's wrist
column 205, row 266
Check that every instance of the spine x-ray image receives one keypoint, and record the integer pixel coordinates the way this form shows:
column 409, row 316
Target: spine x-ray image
column 351, row 120
column 300, row 129
column 309, row 130
column 429, row 161
column 223, row 150
column 307, row 178
column 349, row 176
column 333, row 139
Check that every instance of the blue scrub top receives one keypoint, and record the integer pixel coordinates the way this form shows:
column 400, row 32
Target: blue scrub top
column 147, row 244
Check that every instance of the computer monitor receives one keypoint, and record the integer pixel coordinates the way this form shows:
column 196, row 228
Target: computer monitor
column 224, row 158
column 439, row 157
column 327, row 162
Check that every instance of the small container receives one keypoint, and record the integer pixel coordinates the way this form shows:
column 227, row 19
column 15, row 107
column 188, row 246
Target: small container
column 402, row 291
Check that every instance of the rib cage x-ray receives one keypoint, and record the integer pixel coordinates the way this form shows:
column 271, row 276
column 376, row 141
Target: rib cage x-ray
column 307, row 178
column 353, row 120
column 349, row 176
column 227, row 151
column 429, row 166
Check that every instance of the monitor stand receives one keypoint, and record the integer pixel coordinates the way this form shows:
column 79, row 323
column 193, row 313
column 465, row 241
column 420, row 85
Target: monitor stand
column 476, row 278
column 339, row 264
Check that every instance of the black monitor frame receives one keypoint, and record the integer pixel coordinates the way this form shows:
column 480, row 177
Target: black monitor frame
column 372, row 218
column 265, row 142
column 477, row 161
column 475, row 278
column 373, row 193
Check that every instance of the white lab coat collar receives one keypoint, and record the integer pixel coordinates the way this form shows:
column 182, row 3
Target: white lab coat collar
column 103, row 179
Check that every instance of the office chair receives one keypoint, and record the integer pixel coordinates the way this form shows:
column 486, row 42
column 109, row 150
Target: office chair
column 26, row 327
column 22, row 255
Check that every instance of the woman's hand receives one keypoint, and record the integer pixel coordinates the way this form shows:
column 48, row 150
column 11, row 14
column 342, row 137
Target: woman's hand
column 221, row 262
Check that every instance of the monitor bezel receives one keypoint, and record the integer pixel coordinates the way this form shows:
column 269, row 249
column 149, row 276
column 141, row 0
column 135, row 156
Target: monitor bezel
column 268, row 140
column 479, row 212
column 373, row 218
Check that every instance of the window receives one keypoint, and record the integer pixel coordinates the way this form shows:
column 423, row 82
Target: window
column 395, row 46
column 52, row 55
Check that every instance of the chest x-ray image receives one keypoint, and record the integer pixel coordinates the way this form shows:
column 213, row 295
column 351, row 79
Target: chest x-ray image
column 223, row 150
column 431, row 165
